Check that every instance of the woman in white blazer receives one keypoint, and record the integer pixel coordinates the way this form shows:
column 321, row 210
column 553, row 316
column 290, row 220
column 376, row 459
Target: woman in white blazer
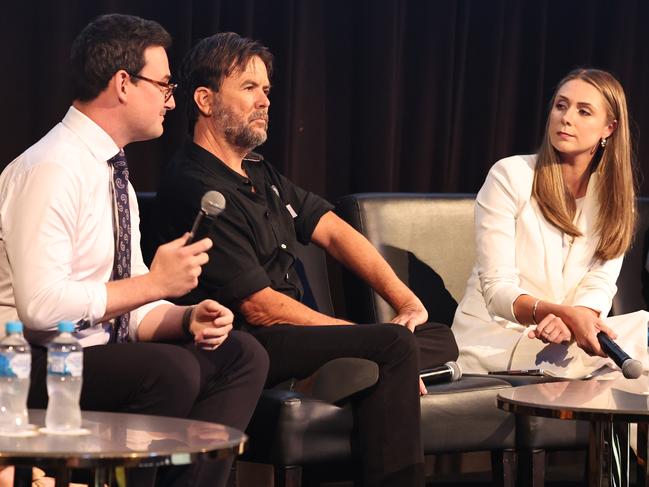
column 551, row 232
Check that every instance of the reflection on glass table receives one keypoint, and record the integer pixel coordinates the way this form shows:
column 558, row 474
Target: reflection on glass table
column 119, row 440
column 609, row 405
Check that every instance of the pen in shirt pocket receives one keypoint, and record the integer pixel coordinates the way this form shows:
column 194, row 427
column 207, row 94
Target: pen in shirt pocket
column 288, row 205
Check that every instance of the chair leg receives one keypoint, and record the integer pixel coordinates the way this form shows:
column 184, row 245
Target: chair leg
column 288, row 476
column 503, row 468
column 531, row 468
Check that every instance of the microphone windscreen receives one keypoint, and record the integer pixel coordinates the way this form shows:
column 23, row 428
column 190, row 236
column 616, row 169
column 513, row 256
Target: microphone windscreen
column 212, row 203
column 632, row 369
column 456, row 370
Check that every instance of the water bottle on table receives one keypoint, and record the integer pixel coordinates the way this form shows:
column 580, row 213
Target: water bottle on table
column 15, row 366
column 64, row 371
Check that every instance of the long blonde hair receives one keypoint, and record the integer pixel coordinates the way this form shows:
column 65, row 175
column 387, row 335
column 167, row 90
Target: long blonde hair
column 613, row 164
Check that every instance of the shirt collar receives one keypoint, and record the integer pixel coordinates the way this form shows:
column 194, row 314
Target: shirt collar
column 99, row 143
column 216, row 166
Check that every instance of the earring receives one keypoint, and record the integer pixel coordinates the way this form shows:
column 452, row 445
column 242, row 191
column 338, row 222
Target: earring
column 603, row 142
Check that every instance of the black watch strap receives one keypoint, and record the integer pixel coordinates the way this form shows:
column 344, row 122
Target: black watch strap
column 187, row 319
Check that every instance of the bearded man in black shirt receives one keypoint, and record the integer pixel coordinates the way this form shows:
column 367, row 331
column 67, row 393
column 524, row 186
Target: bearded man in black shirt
column 251, row 266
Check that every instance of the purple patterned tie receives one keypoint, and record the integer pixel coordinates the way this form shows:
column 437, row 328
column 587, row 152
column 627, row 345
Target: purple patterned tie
column 122, row 260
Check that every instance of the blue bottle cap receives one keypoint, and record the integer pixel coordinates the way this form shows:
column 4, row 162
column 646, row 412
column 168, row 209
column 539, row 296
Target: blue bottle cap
column 66, row 327
column 14, row 327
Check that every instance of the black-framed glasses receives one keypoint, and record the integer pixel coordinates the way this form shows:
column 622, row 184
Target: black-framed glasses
column 166, row 88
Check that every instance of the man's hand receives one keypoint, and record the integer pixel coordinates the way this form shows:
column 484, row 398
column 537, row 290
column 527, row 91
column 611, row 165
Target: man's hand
column 355, row 252
column 210, row 324
column 176, row 267
column 584, row 323
column 551, row 329
column 411, row 315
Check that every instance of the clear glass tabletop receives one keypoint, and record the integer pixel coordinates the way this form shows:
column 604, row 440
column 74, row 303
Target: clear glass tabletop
column 595, row 400
column 119, row 439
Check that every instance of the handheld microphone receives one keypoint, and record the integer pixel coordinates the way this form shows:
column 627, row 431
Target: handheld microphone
column 212, row 204
column 631, row 369
column 449, row 372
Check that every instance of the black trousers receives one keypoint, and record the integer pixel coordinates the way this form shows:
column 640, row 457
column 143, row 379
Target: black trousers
column 165, row 379
column 387, row 416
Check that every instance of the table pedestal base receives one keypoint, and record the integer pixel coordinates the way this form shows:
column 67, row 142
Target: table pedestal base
column 608, row 454
column 643, row 450
column 103, row 476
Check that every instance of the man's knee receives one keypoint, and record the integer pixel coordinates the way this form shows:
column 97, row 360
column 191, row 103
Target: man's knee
column 399, row 342
column 174, row 375
column 252, row 358
column 436, row 343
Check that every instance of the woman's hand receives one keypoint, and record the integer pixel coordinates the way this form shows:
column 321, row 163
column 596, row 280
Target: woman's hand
column 585, row 324
column 551, row 329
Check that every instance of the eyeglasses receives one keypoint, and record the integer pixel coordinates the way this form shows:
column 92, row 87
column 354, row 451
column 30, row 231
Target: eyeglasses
column 166, row 88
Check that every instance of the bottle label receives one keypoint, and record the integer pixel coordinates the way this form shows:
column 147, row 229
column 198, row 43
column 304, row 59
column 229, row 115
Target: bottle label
column 15, row 364
column 65, row 363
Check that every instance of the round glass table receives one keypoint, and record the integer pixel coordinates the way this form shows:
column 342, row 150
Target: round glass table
column 118, row 440
column 609, row 405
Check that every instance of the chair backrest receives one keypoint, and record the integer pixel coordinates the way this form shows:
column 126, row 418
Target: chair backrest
column 427, row 238
column 312, row 269
column 633, row 283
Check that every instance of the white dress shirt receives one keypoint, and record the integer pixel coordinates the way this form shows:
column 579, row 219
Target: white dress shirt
column 56, row 233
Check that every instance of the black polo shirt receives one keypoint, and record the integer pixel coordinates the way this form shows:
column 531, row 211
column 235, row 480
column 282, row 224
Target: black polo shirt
column 254, row 238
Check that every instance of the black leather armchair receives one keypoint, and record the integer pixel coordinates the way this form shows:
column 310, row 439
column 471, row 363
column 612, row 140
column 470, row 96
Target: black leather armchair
column 297, row 434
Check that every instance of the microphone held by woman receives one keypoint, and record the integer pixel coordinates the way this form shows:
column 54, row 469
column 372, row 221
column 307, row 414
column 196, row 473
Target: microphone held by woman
column 631, row 368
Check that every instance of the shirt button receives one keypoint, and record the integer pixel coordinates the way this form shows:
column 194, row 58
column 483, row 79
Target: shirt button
column 283, row 246
column 287, row 277
column 267, row 214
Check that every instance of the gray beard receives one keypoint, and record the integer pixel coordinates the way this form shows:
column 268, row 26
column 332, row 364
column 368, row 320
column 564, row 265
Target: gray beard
column 239, row 133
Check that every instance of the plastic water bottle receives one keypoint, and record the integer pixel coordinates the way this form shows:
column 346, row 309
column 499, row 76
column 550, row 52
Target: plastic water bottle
column 15, row 366
column 64, row 371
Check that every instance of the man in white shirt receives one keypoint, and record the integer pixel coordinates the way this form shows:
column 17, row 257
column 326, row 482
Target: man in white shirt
column 62, row 218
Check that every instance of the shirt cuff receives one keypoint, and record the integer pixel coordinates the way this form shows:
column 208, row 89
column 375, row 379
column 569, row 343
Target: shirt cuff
column 97, row 299
column 502, row 305
column 595, row 300
column 305, row 230
column 138, row 314
column 249, row 282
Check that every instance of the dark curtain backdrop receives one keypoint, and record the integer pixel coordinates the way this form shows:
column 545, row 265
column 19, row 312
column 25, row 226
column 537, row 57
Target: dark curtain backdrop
column 368, row 95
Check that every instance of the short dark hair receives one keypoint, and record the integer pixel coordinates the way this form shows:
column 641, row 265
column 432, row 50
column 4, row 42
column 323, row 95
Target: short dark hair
column 106, row 45
column 214, row 58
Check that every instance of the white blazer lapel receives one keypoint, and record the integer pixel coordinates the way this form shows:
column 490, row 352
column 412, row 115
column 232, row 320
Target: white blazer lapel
column 552, row 239
column 583, row 248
